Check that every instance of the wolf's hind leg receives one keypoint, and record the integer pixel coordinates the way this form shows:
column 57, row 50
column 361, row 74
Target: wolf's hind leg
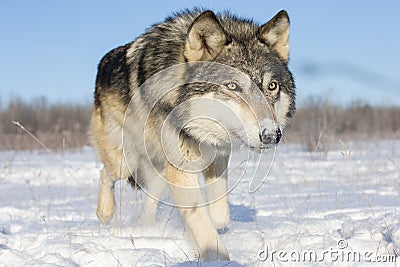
column 106, row 201
column 186, row 192
column 217, row 196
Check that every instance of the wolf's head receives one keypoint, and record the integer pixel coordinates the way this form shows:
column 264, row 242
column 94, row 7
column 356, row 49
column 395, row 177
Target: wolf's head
column 260, row 91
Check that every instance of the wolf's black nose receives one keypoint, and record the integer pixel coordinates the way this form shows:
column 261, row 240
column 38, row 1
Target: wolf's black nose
column 269, row 138
column 278, row 135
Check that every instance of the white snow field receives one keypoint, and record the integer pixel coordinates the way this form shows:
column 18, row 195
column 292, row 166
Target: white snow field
column 312, row 210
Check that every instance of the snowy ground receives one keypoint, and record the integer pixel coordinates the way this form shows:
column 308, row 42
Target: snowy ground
column 344, row 205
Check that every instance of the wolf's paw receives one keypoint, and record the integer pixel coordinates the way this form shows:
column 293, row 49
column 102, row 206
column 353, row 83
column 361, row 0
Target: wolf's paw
column 104, row 217
column 215, row 255
column 219, row 213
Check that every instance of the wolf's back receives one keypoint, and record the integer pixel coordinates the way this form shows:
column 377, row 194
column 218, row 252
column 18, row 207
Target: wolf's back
column 113, row 75
column 125, row 68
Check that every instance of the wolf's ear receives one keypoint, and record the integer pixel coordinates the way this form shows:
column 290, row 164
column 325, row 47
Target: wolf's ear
column 276, row 34
column 205, row 38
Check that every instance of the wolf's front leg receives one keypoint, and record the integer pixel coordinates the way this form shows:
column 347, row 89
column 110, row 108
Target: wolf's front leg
column 106, row 201
column 186, row 192
column 217, row 195
column 154, row 189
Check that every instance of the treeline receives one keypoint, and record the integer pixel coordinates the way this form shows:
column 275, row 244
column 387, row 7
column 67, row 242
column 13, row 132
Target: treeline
column 58, row 126
column 318, row 124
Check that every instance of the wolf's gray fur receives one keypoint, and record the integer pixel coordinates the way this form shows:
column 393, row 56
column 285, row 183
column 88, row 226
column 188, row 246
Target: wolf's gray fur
column 135, row 123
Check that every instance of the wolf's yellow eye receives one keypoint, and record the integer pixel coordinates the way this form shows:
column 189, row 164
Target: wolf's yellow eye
column 273, row 85
column 232, row 86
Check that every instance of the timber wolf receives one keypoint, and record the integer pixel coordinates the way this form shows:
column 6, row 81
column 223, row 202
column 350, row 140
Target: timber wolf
column 229, row 83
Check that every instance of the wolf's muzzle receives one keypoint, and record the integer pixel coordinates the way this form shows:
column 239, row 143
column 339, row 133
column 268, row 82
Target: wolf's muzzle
column 269, row 138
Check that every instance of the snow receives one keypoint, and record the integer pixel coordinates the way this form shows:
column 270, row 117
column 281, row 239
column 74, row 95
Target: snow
column 309, row 202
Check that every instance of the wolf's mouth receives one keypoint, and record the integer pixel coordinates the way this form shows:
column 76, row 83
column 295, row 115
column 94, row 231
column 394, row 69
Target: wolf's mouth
column 261, row 147
column 265, row 147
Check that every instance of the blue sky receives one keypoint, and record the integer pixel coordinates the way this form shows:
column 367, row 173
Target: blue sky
column 343, row 50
